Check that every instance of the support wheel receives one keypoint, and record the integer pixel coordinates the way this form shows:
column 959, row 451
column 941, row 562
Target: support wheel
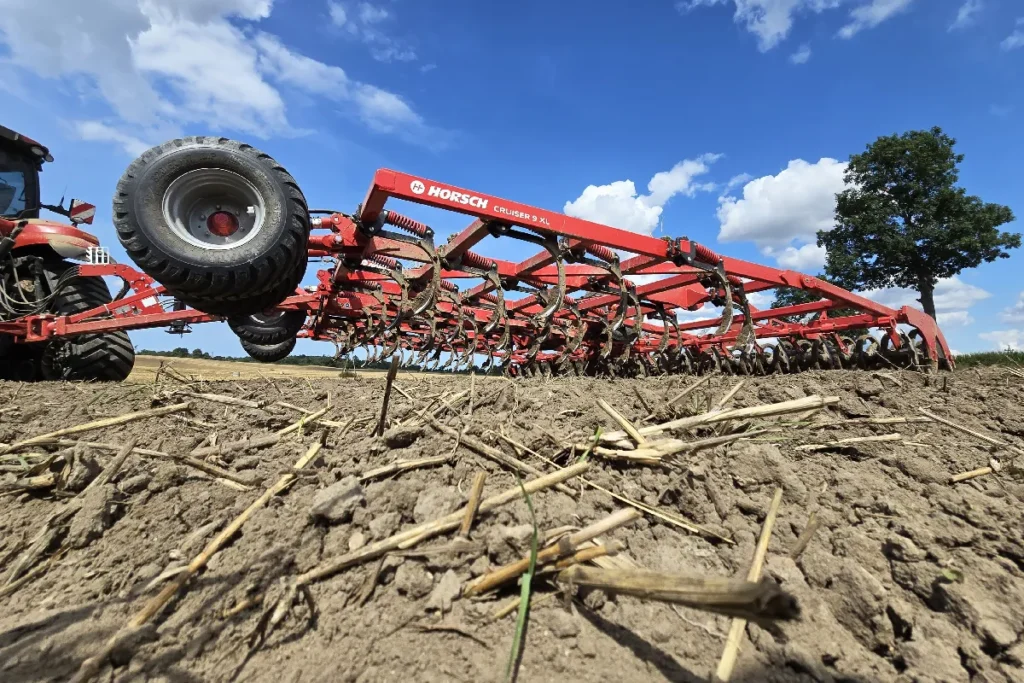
column 219, row 223
column 269, row 353
column 270, row 327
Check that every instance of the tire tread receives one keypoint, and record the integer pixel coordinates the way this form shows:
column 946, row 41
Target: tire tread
column 280, row 269
column 104, row 357
column 269, row 353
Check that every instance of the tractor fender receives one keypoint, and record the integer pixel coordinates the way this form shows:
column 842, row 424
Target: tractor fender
column 67, row 241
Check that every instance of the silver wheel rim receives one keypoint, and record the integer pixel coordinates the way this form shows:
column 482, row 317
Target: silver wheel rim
column 191, row 199
column 266, row 319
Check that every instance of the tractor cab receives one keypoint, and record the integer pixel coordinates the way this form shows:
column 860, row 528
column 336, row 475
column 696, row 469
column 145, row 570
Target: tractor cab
column 21, row 160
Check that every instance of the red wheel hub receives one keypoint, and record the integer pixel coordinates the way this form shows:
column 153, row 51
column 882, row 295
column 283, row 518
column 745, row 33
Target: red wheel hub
column 222, row 224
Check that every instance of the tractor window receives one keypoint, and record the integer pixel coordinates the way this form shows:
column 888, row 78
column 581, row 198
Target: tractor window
column 17, row 184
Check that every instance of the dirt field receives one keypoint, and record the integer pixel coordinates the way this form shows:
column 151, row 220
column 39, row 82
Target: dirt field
column 146, row 368
column 908, row 577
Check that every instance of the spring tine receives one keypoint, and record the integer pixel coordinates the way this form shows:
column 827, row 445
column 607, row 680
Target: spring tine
column 427, row 298
column 726, row 323
column 543, row 319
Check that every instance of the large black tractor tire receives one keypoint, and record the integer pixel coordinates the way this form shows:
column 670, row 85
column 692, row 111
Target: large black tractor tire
column 269, row 353
column 219, row 223
column 104, row 357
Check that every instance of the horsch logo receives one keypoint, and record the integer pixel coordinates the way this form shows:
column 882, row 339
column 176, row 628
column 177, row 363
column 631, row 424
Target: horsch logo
column 444, row 193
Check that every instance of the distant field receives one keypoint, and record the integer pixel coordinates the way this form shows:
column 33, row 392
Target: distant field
column 983, row 358
column 146, row 368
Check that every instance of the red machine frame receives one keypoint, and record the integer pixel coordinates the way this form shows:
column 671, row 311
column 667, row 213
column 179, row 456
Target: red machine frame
column 580, row 303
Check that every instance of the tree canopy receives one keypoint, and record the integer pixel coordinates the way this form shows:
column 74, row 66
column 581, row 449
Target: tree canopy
column 903, row 222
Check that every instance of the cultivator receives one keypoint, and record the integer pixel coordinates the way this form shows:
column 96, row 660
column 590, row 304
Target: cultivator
column 575, row 307
column 594, row 300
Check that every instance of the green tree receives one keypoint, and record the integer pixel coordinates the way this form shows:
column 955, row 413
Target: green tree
column 903, row 222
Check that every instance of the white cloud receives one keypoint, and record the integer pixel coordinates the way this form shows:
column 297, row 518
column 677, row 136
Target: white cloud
column 783, row 213
column 761, row 300
column 951, row 294
column 97, row 131
column 953, row 297
column 337, row 13
column 1015, row 313
column 641, row 280
column 679, row 180
column 619, row 205
column 370, row 14
column 385, row 111
column 737, row 180
column 380, row 110
column 772, row 20
column 202, row 11
column 796, row 203
column 211, row 70
column 285, row 66
column 616, row 204
column 802, row 55
column 1003, row 340
column 162, row 65
column 769, row 20
column 1000, row 110
column 1015, row 39
column 807, row 258
column 871, row 15
column 82, row 43
column 954, row 319
column 705, row 312
column 965, row 15
column 361, row 21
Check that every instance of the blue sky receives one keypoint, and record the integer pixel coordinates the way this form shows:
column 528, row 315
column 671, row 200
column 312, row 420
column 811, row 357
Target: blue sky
column 742, row 112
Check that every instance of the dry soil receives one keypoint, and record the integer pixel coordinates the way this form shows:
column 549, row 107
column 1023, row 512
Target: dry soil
column 908, row 577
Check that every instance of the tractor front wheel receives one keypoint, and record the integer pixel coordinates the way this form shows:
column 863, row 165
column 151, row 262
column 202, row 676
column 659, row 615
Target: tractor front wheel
column 50, row 285
column 103, row 357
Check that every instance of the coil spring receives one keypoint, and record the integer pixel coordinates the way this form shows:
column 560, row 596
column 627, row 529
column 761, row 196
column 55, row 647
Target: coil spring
column 385, row 261
column 407, row 224
column 488, row 297
column 602, row 252
column 449, row 286
column 474, row 260
column 707, row 255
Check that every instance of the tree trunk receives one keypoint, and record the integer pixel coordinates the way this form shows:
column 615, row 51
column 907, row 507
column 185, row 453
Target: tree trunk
column 927, row 291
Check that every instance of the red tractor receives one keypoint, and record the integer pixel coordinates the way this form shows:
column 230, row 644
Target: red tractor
column 38, row 277
column 219, row 230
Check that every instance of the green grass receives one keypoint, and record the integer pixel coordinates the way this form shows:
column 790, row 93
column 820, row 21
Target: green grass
column 590, row 446
column 525, row 588
column 987, row 358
